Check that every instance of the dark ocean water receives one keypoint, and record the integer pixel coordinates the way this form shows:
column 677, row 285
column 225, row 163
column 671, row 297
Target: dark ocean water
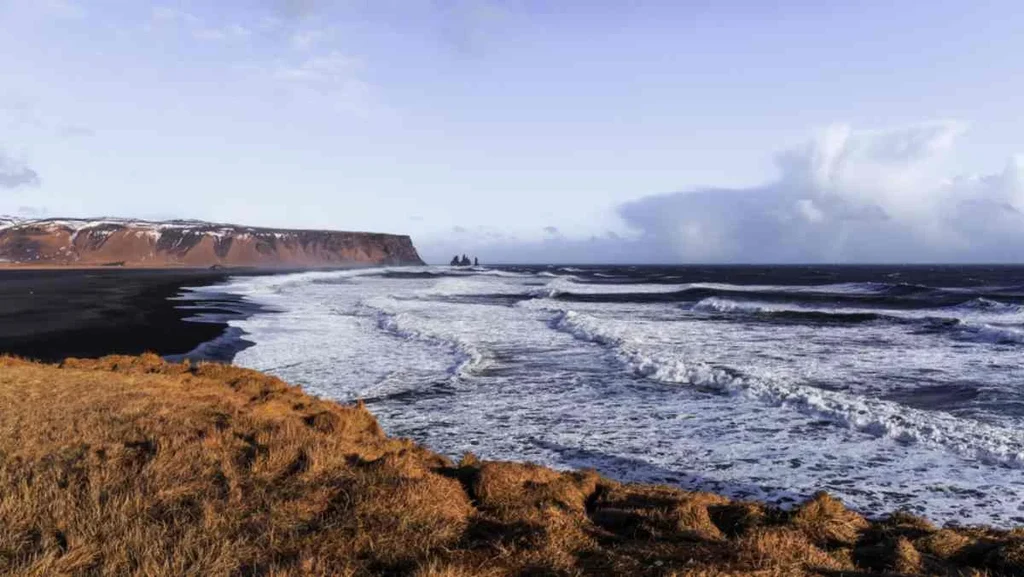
column 894, row 387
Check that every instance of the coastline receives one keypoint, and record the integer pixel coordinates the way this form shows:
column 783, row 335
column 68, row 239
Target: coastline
column 139, row 465
column 615, row 528
column 49, row 314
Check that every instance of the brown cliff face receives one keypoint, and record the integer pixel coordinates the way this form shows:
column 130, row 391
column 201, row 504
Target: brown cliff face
column 70, row 242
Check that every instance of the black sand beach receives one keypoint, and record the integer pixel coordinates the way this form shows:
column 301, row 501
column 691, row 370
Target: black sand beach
column 49, row 315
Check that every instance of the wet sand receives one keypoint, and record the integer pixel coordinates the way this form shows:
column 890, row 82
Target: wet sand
column 51, row 314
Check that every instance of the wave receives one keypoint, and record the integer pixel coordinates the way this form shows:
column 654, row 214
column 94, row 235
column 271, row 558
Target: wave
column 659, row 293
column 470, row 286
column 986, row 333
column 221, row 349
column 392, row 319
column 468, row 359
column 989, row 305
column 783, row 312
column 958, row 328
column 878, row 418
column 847, row 296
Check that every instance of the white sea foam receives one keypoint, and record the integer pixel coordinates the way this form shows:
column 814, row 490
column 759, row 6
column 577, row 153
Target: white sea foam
column 720, row 305
column 990, row 333
column 390, row 318
column 570, row 284
column 736, row 407
column 875, row 417
column 473, row 285
column 988, row 305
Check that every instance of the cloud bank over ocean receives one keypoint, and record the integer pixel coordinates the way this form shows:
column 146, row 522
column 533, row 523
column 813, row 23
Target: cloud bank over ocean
column 844, row 196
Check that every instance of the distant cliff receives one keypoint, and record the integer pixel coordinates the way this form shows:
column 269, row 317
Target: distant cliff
column 188, row 243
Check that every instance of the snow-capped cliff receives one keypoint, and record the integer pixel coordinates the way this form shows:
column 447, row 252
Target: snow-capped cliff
column 115, row 241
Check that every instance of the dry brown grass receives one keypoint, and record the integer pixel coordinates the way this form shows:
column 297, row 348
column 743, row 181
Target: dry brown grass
column 129, row 465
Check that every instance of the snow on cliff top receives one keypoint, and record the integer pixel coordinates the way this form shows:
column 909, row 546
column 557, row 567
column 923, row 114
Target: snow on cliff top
column 77, row 225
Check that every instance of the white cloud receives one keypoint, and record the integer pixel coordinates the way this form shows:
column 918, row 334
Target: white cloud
column 75, row 131
column 327, row 69
column 334, row 74
column 200, row 29
column 32, row 211
column 61, row 8
column 845, row 196
column 224, row 33
column 307, row 39
column 173, row 15
column 468, row 27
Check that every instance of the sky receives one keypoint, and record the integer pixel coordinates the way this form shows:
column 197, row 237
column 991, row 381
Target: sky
column 530, row 131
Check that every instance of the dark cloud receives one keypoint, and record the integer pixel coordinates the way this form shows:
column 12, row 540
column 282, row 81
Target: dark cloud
column 15, row 174
column 552, row 230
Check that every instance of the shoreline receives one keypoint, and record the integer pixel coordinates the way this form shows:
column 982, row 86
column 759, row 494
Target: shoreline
column 220, row 470
column 175, row 323
column 52, row 314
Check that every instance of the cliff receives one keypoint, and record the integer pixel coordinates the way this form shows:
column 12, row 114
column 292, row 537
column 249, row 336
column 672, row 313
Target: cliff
column 188, row 243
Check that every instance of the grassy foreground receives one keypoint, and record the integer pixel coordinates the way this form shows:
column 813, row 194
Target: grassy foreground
column 129, row 465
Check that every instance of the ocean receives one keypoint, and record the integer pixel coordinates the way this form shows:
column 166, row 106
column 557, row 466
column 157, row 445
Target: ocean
column 890, row 387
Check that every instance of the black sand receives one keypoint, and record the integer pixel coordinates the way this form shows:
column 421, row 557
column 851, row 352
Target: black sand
column 49, row 315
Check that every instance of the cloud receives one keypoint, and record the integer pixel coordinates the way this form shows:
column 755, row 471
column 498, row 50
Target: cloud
column 15, row 174
column 60, row 9
column 334, row 74
column 19, row 113
column 300, row 8
column 224, row 33
column 497, row 248
column 200, row 30
column 298, row 63
column 844, row 196
column 32, row 211
column 322, row 70
column 465, row 26
column 75, row 131
column 306, row 39
column 173, row 15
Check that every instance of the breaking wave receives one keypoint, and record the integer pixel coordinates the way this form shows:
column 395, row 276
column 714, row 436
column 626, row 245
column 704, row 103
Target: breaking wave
column 468, row 359
column 878, row 418
column 987, row 333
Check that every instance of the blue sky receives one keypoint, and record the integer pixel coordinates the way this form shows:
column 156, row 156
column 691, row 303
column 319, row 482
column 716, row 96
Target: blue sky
column 528, row 130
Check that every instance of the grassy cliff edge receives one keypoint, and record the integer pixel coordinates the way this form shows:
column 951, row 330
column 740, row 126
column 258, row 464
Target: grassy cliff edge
column 130, row 465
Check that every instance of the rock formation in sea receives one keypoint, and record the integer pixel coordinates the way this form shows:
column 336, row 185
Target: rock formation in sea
column 190, row 243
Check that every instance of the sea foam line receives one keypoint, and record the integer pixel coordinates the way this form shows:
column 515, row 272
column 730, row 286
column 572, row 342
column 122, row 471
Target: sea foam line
column 468, row 359
column 967, row 438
